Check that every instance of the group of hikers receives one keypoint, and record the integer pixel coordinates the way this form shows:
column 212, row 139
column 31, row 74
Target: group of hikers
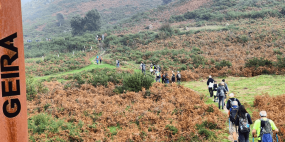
column 239, row 118
column 98, row 59
column 156, row 70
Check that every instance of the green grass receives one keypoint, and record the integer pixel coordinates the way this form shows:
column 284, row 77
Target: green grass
column 90, row 67
column 245, row 89
column 213, row 27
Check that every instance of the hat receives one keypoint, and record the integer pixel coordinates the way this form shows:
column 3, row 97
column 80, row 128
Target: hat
column 177, row 71
column 223, row 80
column 263, row 114
column 232, row 95
column 210, row 76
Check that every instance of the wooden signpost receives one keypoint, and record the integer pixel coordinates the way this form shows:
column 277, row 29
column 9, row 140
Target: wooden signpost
column 13, row 106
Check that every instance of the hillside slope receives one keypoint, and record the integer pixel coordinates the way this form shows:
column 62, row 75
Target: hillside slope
column 39, row 16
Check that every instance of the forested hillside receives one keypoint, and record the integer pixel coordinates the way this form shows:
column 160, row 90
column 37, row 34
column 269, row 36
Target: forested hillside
column 40, row 16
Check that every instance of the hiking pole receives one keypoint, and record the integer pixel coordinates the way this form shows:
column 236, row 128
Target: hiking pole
column 229, row 125
column 277, row 137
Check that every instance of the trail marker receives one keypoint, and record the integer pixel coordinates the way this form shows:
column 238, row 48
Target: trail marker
column 13, row 106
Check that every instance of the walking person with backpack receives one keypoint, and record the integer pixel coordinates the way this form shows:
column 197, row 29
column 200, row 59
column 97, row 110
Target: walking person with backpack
column 100, row 59
column 157, row 76
column 263, row 127
column 97, row 59
column 143, row 67
column 215, row 89
column 210, row 84
column 163, row 78
column 230, row 101
column 243, row 121
column 166, row 78
column 226, row 87
column 232, row 115
column 178, row 76
column 173, row 77
column 221, row 94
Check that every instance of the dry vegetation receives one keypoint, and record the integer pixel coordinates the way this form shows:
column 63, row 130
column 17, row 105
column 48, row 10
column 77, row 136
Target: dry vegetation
column 162, row 113
column 259, row 38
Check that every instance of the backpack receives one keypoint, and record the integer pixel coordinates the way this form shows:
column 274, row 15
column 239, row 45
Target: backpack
column 143, row 66
column 158, row 75
column 233, row 113
column 266, row 131
column 243, row 124
column 231, row 102
column 179, row 75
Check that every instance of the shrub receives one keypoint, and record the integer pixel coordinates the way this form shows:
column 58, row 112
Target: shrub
column 208, row 134
column 136, row 81
column 255, row 62
column 173, row 129
column 222, row 64
column 281, row 62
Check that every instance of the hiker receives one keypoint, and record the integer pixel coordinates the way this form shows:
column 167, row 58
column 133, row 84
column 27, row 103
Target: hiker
column 230, row 101
column 151, row 68
column 97, row 60
column 178, row 76
column 143, row 67
column 221, row 94
column 215, row 87
column 154, row 67
column 173, row 77
column 243, row 121
column 158, row 68
column 163, row 78
column 117, row 62
column 210, row 84
column 157, row 76
column 100, row 59
column 166, row 78
column 232, row 115
column 226, row 87
column 263, row 128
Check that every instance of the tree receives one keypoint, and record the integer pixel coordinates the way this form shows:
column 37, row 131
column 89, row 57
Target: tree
column 77, row 24
column 60, row 18
column 92, row 20
column 164, row 2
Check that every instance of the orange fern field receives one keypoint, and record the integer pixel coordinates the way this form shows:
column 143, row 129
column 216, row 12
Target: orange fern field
column 150, row 112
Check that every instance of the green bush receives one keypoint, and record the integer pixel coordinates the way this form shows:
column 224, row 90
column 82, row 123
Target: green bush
column 255, row 62
column 222, row 64
column 281, row 62
column 135, row 82
column 34, row 87
column 173, row 129
column 208, row 134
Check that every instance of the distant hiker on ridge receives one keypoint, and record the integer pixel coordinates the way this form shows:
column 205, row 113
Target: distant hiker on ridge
column 210, row 84
column 142, row 66
column 178, row 76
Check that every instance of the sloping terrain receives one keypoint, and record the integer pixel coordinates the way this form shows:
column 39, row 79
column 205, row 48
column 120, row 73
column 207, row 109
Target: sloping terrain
column 90, row 114
column 41, row 14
